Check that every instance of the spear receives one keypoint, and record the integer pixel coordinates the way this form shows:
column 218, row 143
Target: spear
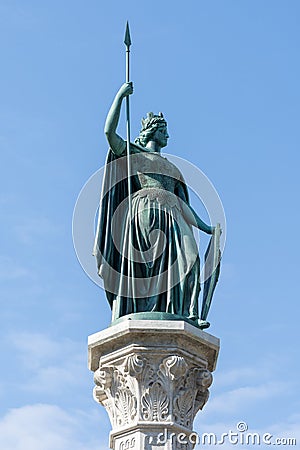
column 127, row 42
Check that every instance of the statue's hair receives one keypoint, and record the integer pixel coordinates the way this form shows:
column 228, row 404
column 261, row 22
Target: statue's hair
column 149, row 126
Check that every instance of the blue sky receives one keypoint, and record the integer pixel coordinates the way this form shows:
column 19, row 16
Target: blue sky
column 226, row 75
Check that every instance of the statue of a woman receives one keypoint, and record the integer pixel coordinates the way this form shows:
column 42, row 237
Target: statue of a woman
column 151, row 264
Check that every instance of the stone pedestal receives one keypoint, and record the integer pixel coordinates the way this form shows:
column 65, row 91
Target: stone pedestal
column 152, row 377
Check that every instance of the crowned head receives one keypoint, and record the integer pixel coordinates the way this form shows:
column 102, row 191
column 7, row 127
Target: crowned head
column 150, row 125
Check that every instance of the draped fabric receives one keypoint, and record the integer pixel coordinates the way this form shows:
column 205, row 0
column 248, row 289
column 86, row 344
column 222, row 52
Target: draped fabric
column 161, row 270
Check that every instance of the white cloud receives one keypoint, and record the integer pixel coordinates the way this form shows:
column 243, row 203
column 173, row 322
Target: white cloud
column 233, row 390
column 48, row 427
column 50, row 365
column 234, row 376
column 38, row 349
column 237, row 399
column 244, row 392
column 263, row 370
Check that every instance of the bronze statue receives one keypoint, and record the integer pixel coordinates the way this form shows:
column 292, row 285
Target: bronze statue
column 145, row 248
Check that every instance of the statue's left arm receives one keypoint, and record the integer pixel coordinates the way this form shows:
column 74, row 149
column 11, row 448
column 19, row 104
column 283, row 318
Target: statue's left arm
column 199, row 222
column 189, row 214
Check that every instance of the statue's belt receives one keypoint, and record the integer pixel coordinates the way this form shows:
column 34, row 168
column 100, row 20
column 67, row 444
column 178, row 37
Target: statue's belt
column 162, row 196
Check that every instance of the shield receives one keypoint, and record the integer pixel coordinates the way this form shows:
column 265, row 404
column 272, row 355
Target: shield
column 212, row 261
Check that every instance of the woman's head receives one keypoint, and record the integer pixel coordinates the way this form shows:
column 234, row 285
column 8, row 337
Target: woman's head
column 150, row 125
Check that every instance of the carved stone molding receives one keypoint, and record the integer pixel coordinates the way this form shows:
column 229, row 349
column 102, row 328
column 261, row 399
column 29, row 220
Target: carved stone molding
column 152, row 389
column 147, row 390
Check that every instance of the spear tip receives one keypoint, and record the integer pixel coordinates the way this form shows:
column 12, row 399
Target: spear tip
column 127, row 39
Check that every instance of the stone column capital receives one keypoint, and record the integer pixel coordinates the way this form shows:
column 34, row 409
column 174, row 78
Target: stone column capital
column 152, row 377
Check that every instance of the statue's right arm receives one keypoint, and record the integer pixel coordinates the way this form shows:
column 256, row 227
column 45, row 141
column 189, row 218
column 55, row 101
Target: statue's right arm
column 116, row 143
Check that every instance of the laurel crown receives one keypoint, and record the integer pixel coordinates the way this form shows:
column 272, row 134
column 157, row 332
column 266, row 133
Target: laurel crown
column 152, row 119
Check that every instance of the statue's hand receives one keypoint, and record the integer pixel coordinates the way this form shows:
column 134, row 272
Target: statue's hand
column 125, row 90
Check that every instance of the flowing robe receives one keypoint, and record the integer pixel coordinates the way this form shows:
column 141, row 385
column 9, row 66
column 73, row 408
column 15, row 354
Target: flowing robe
column 160, row 271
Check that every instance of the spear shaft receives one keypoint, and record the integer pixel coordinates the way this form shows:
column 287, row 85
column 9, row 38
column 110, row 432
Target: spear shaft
column 127, row 42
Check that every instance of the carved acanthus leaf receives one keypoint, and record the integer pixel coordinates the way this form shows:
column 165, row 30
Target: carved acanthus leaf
column 183, row 407
column 155, row 403
column 134, row 365
column 125, row 405
column 173, row 367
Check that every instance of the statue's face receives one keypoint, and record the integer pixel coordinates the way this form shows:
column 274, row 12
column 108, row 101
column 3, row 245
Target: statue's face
column 161, row 136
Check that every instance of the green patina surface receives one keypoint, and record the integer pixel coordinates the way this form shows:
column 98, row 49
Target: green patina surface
column 145, row 248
